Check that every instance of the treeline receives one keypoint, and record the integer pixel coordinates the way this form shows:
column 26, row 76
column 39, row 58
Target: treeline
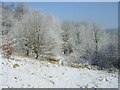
column 42, row 34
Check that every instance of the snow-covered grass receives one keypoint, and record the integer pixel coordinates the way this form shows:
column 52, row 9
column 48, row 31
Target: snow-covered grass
column 19, row 72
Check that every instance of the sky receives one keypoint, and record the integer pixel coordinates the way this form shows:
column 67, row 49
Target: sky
column 102, row 13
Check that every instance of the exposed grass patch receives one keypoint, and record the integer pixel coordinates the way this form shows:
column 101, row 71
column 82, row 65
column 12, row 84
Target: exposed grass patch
column 15, row 65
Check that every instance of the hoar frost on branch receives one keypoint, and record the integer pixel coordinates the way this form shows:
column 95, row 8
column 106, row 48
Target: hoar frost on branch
column 40, row 33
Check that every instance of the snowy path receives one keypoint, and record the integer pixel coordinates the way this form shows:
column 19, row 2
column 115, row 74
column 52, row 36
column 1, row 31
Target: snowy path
column 41, row 74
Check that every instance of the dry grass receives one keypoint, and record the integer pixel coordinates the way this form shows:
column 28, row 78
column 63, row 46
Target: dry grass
column 53, row 60
column 15, row 65
column 78, row 65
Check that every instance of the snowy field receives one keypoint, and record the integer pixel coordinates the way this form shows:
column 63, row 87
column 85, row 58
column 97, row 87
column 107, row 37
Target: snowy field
column 27, row 73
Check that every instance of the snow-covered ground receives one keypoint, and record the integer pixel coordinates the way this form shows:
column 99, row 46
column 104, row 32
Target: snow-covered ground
column 27, row 73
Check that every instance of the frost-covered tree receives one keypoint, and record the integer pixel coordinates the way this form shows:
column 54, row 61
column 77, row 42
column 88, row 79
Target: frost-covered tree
column 39, row 33
column 8, row 23
column 67, row 30
column 53, row 34
column 108, row 52
column 31, row 32
column 19, row 10
column 83, row 38
column 78, row 36
column 96, row 37
column 105, row 47
column 86, row 40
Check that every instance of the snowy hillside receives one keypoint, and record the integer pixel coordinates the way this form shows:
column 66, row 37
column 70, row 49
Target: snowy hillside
column 27, row 73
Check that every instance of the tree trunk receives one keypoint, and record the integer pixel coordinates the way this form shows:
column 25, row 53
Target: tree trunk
column 36, row 55
column 96, row 49
column 27, row 53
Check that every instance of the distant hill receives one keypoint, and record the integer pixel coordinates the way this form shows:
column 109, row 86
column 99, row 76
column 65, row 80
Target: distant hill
column 112, row 30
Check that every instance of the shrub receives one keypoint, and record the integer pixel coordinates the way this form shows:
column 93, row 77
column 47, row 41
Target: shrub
column 7, row 49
